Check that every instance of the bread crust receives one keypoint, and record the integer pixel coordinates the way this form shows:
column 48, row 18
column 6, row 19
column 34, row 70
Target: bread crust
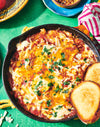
column 96, row 112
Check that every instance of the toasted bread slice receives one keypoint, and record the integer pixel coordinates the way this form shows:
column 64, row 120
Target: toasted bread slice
column 85, row 98
column 93, row 73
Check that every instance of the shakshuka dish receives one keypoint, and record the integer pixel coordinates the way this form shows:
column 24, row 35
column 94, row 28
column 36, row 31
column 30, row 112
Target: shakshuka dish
column 44, row 70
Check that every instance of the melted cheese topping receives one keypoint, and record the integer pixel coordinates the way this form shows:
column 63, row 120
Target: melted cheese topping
column 45, row 68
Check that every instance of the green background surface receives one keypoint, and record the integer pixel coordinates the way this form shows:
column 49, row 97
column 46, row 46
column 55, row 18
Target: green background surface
column 33, row 14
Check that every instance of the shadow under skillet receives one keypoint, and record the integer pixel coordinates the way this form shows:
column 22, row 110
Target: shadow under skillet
column 2, row 56
column 30, row 12
column 78, row 123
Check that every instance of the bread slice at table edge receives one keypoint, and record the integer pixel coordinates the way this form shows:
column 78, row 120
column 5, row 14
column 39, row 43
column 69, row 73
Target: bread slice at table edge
column 81, row 102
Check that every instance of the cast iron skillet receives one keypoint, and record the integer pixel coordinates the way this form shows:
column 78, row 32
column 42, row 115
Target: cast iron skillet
column 12, row 48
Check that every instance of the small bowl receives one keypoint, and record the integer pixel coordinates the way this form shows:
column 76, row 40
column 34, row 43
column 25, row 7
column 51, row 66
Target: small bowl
column 66, row 5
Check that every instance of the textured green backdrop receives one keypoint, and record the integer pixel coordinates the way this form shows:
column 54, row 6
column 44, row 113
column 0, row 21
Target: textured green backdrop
column 33, row 14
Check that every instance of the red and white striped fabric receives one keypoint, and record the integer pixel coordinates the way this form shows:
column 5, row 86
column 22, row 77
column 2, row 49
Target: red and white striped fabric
column 90, row 18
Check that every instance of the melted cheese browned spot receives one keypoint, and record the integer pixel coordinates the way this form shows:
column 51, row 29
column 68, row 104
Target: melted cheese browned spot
column 45, row 68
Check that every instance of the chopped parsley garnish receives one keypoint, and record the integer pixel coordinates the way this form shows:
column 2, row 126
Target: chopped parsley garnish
column 47, row 50
column 55, row 114
column 59, row 107
column 85, row 60
column 46, row 108
column 49, row 53
column 78, row 79
column 73, row 85
column 66, row 82
column 40, row 83
column 58, row 89
column 48, row 103
column 55, row 63
column 63, row 64
column 51, row 114
column 27, row 60
column 40, row 77
column 67, row 67
column 60, row 63
column 51, row 69
column 42, row 53
column 42, row 61
column 65, row 91
column 56, row 67
column 51, row 76
column 21, row 64
column 38, row 93
column 51, row 60
column 63, row 56
column 59, row 68
column 25, row 81
column 50, row 84
column 32, row 88
column 27, row 100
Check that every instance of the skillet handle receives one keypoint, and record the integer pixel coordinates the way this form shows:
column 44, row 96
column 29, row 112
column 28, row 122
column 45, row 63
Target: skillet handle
column 97, row 45
column 12, row 44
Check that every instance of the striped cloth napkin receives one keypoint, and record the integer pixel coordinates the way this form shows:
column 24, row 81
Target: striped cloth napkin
column 90, row 18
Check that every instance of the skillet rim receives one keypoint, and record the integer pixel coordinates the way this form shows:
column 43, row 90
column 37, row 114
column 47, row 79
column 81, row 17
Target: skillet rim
column 12, row 47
